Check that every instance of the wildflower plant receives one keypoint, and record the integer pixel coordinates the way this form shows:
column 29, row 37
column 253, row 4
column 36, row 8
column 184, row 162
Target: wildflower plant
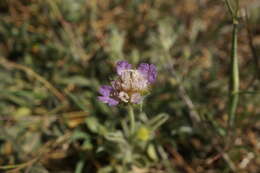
column 129, row 88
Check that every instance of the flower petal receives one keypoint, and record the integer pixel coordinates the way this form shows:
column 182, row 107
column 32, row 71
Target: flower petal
column 152, row 73
column 108, row 100
column 105, row 90
column 149, row 71
column 121, row 66
column 112, row 102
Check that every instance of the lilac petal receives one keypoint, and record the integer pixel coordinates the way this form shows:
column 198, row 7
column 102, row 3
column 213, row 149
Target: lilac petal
column 149, row 71
column 136, row 98
column 113, row 102
column 152, row 73
column 108, row 100
column 103, row 99
column 121, row 66
column 105, row 90
column 144, row 69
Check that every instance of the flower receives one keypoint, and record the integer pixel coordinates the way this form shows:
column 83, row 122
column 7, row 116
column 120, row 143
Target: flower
column 131, row 84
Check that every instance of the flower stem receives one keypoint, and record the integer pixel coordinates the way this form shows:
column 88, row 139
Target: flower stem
column 234, row 75
column 132, row 119
column 234, row 93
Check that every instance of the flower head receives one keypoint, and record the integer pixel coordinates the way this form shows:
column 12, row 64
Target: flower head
column 130, row 85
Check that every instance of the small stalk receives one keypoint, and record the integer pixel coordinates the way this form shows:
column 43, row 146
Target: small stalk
column 132, row 119
column 234, row 77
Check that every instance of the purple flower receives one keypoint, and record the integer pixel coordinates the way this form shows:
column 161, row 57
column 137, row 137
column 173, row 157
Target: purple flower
column 130, row 86
column 121, row 66
column 149, row 71
column 105, row 91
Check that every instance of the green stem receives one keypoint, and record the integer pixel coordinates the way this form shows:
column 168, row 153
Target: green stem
column 232, row 110
column 234, row 62
column 132, row 119
column 234, row 78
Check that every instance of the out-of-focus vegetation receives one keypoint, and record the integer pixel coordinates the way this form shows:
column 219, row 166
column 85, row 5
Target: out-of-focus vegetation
column 54, row 55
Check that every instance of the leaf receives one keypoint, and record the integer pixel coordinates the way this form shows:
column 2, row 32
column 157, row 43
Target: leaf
column 92, row 124
column 152, row 152
column 79, row 166
column 157, row 121
column 79, row 135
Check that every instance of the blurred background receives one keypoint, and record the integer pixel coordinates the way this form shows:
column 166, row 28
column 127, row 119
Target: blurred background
column 55, row 54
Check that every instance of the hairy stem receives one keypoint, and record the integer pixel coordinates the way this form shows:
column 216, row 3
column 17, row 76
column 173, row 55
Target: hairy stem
column 234, row 75
column 132, row 119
